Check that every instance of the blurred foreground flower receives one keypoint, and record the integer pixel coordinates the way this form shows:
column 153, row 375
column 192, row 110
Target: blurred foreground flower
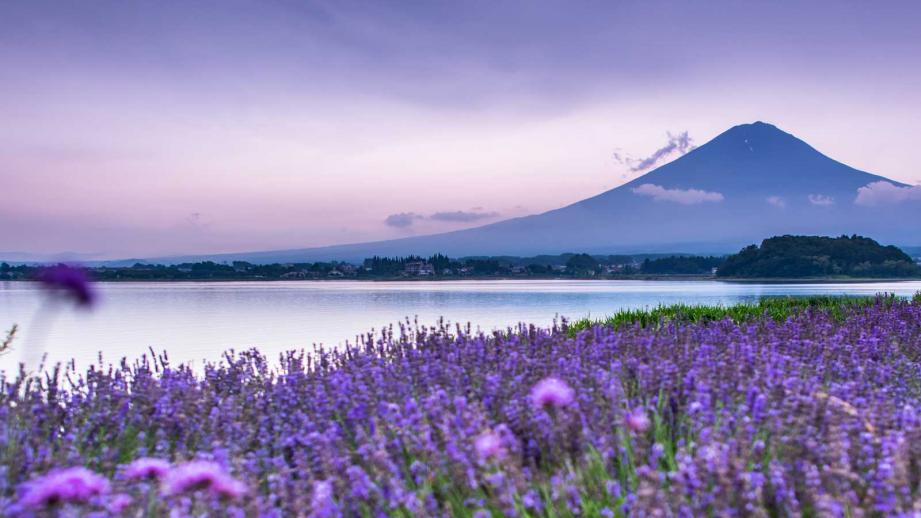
column 637, row 421
column 65, row 486
column 488, row 445
column 323, row 503
column 69, row 282
column 202, row 476
column 147, row 469
column 551, row 392
column 119, row 503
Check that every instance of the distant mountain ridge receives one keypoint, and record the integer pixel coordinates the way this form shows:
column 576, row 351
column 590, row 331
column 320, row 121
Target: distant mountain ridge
column 750, row 182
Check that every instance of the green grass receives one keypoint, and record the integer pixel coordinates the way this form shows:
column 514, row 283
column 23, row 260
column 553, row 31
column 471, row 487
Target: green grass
column 778, row 308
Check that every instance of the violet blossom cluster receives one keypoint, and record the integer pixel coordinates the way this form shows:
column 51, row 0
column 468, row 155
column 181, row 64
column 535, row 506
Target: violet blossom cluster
column 813, row 415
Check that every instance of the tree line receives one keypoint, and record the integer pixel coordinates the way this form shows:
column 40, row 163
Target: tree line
column 777, row 257
column 819, row 256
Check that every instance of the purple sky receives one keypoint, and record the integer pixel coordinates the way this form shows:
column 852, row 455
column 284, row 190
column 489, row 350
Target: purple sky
column 152, row 128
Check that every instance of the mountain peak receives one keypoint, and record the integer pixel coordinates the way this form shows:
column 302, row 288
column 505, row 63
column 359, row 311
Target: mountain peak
column 757, row 129
column 756, row 161
column 756, row 124
column 758, row 139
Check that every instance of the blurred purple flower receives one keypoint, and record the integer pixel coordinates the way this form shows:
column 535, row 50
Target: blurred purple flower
column 147, row 469
column 70, row 485
column 202, row 476
column 118, row 503
column 323, row 505
column 552, row 392
column 489, row 445
column 70, row 282
column 532, row 501
column 637, row 421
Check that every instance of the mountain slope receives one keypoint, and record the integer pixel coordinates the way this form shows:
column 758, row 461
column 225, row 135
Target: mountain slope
column 748, row 183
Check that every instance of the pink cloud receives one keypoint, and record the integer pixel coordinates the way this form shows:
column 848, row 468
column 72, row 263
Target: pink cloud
column 682, row 196
column 885, row 193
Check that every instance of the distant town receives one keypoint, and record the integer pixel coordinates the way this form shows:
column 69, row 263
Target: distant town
column 580, row 266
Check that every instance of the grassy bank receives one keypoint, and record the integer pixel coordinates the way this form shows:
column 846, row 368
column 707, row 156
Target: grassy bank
column 778, row 308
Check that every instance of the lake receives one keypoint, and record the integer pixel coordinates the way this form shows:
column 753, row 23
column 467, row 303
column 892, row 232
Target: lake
column 198, row 321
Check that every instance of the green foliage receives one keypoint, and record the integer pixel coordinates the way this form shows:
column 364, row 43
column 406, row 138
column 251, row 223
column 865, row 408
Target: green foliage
column 582, row 263
column 389, row 265
column 681, row 264
column 483, row 266
column 778, row 308
column 817, row 256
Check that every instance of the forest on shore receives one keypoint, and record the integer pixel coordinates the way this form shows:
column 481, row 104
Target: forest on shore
column 781, row 257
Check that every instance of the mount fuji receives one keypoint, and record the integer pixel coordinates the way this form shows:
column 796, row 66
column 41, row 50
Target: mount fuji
column 750, row 182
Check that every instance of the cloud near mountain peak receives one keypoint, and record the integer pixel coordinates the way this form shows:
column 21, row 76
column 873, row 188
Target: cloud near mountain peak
column 682, row 196
column 886, row 193
column 680, row 143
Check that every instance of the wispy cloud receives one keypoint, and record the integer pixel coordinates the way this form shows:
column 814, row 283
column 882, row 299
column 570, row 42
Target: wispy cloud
column 462, row 216
column 406, row 219
column 777, row 201
column 821, row 200
column 402, row 219
column 682, row 196
column 885, row 193
column 679, row 143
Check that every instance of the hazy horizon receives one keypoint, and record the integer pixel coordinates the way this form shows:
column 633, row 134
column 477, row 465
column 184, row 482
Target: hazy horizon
column 142, row 130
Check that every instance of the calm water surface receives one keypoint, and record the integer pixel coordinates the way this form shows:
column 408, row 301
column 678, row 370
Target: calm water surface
column 196, row 321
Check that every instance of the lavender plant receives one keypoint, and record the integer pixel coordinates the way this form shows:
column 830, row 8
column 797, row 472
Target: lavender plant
column 6, row 345
column 815, row 414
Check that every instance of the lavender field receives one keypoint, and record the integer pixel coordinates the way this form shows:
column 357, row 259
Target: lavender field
column 813, row 414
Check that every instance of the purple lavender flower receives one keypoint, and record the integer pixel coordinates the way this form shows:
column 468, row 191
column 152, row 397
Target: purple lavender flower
column 322, row 503
column 64, row 486
column 489, row 445
column 147, row 468
column 552, row 392
column 532, row 501
column 202, row 476
column 70, row 283
column 119, row 503
column 637, row 421
column 360, row 484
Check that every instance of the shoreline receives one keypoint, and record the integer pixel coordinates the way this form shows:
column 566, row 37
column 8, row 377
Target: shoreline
column 649, row 278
